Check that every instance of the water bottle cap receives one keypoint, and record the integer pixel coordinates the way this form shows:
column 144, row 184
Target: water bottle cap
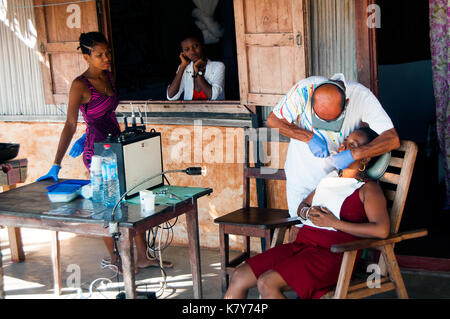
column 106, row 146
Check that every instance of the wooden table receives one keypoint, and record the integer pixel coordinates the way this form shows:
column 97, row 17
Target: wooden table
column 29, row 207
column 12, row 173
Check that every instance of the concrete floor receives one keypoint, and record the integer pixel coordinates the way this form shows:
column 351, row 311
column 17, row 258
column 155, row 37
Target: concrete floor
column 33, row 279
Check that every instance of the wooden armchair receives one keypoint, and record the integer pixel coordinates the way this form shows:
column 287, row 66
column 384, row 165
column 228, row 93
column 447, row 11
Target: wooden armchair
column 272, row 224
column 395, row 183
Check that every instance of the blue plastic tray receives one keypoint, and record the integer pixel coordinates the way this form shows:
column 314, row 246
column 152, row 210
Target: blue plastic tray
column 65, row 191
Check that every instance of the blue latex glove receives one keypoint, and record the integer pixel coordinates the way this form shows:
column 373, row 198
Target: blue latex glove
column 52, row 173
column 78, row 146
column 343, row 159
column 318, row 147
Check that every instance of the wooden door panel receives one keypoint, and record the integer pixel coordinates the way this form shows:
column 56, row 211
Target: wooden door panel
column 272, row 55
column 57, row 16
column 64, row 68
column 271, row 69
column 268, row 16
column 58, row 43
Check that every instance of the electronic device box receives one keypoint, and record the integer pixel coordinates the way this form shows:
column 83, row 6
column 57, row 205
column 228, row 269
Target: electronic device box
column 139, row 156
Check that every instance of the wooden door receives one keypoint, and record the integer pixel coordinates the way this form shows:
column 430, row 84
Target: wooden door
column 272, row 41
column 59, row 27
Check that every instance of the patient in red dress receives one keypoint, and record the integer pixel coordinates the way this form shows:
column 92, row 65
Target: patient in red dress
column 345, row 206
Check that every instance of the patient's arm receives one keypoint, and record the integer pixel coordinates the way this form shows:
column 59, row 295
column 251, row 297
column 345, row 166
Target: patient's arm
column 306, row 202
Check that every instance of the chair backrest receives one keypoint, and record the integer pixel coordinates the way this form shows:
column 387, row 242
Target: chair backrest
column 262, row 173
column 395, row 182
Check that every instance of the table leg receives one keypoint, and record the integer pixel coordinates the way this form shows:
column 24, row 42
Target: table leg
column 15, row 244
column 15, row 239
column 2, row 293
column 56, row 261
column 126, row 252
column 194, row 250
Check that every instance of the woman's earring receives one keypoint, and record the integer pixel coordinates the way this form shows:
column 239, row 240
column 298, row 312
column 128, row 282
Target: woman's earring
column 363, row 169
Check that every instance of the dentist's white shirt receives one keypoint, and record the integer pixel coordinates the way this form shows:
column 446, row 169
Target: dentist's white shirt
column 304, row 171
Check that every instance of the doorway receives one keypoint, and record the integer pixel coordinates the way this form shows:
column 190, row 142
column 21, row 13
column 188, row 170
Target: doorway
column 406, row 93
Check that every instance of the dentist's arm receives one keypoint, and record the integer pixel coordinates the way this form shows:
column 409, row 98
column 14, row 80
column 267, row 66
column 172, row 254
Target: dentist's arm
column 317, row 145
column 385, row 142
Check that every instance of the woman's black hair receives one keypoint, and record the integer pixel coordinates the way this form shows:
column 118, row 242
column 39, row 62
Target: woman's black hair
column 371, row 135
column 191, row 33
column 89, row 40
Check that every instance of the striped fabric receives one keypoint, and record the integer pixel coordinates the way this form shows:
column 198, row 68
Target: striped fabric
column 99, row 115
column 296, row 108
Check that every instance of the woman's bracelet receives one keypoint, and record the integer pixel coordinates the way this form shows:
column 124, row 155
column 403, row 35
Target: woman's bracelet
column 304, row 213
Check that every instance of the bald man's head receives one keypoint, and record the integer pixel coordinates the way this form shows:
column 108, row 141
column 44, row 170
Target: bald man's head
column 328, row 102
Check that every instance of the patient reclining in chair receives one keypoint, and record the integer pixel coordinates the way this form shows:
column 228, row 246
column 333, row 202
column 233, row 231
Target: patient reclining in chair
column 346, row 206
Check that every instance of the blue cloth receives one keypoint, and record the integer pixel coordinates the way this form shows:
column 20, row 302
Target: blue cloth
column 343, row 159
column 78, row 146
column 318, row 147
column 53, row 173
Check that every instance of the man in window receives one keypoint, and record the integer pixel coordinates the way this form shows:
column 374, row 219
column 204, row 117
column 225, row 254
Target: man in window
column 317, row 114
column 198, row 77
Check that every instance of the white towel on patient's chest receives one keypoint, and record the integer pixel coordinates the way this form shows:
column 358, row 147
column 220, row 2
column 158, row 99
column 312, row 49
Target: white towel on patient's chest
column 332, row 192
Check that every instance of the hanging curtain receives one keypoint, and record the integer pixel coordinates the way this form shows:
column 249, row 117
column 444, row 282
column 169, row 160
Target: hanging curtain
column 21, row 91
column 204, row 19
column 440, row 44
column 333, row 38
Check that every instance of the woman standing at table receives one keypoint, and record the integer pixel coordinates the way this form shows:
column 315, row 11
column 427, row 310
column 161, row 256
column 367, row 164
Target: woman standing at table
column 94, row 94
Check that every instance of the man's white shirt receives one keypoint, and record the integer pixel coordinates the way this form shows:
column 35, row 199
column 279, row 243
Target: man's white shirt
column 303, row 170
column 214, row 75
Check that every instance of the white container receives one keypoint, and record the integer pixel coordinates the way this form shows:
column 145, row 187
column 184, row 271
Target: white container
column 65, row 191
column 86, row 191
column 147, row 200
column 63, row 198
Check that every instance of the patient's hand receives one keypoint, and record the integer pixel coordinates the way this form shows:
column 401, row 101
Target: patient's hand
column 322, row 217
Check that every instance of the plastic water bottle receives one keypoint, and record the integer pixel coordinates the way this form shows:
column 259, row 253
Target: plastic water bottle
column 110, row 177
column 96, row 179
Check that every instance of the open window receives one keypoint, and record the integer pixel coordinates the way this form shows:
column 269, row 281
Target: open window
column 264, row 48
column 146, row 44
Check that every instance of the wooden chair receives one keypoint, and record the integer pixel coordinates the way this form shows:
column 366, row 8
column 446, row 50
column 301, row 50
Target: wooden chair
column 251, row 221
column 395, row 183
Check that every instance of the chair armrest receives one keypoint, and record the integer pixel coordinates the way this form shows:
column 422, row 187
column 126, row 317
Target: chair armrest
column 370, row 242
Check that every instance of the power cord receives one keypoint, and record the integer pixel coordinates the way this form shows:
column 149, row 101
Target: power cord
column 155, row 247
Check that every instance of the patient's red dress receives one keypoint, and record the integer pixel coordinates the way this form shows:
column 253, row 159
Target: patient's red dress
column 308, row 265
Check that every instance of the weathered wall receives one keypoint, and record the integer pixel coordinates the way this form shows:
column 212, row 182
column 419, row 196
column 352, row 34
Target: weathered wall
column 221, row 152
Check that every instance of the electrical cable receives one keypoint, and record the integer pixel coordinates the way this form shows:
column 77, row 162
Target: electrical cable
column 155, row 246
column 161, row 265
